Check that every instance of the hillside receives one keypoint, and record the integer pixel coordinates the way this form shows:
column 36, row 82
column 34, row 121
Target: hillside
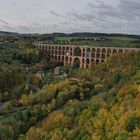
column 103, row 103
column 4, row 33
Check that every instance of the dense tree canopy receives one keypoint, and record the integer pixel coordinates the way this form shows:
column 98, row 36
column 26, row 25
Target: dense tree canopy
column 101, row 103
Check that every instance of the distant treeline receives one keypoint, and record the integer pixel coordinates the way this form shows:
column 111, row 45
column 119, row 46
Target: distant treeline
column 76, row 34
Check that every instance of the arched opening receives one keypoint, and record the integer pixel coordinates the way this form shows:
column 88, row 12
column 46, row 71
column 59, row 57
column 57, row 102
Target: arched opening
column 66, row 58
column 55, row 51
column 49, row 57
column 87, row 61
column 97, row 61
column 77, row 51
column 98, row 55
column 98, row 50
column 120, row 51
column 83, row 60
column 114, row 51
column 63, row 52
column 102, row 61
column 76, row 63
column 88, row 49
column 109, row 51
column 92, row 61
column 103, row 50
column 88, row 53
column 59, row 58
column 93, row 55
column 62, row 58
column 103, row 56
column 59, row 52
column 93, row 50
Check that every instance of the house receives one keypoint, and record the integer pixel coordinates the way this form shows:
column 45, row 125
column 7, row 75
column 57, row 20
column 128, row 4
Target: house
column 57, row 71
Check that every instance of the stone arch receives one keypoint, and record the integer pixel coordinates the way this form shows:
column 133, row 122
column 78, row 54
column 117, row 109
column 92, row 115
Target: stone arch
column 120, row 50
column 98, row 50
column 49, row 56
column 83, row 49
column 62, row 58
column 114, row 50
column 59, row 52
column 88, row 50
column 103, row 50
column 93, row 49
column 103, row 56
column 93, row 55
column 97, row 61
column 83, row 60
column 63, row 52
column 92, row 61
column 109, row 51
column 67, row 59
column 77, row 51
column 55, row 51
column 102, row 61
column 87, row 61
column 59, row 58
column 76, row 63
column 59, row 47
column 98, row 55
column 88, row 53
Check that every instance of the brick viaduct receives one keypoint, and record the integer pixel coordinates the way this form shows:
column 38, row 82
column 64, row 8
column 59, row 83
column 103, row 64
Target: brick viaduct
column 80, row 56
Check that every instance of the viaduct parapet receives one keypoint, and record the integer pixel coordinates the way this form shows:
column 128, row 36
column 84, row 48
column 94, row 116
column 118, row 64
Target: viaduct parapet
column 80, row 56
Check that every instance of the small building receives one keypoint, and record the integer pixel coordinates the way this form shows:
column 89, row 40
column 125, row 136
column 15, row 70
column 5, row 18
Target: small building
column 57, row 71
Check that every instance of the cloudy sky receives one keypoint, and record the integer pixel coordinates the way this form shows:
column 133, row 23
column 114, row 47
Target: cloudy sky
column 45, row 16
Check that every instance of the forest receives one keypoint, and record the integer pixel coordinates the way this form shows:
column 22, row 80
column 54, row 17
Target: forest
column 100, row 103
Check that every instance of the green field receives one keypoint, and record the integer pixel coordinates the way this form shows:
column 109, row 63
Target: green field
column 117, row 41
